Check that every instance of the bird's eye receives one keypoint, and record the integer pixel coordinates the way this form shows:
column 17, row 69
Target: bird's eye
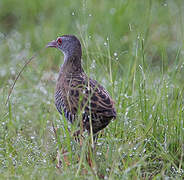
column 59, row 41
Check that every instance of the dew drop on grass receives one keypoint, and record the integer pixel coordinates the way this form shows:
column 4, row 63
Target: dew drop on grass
column 105, row 177
column 48, row 102
column 120, row 149
column 105, row 43
column 115, row 53
column 126, row 96
column 90, row 15
column 32, row 137
column 112, row 11
column 93, row 64
column 12, row 71
column 107, row 169
column 73, row 13
column 43, row 90
column 126, row 113
column 88, row 88
column 98, row 153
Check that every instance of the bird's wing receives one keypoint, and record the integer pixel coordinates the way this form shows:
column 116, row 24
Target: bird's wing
column 89, row 96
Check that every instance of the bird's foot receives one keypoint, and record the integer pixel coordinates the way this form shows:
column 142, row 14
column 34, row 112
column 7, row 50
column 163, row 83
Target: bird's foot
column 63, row 153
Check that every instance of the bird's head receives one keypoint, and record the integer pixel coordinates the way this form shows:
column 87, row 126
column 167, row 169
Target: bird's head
column 68, row 44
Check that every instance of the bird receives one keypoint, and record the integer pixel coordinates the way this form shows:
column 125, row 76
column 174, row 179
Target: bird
column 78, row 96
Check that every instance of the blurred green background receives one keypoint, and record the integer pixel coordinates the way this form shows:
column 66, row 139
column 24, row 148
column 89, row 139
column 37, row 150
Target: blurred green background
column 34, row 23
column 133, row 47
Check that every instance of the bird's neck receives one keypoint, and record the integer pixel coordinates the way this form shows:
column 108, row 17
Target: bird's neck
column 72, row 65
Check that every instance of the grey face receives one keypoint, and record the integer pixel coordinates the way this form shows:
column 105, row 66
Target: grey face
column 68, row 44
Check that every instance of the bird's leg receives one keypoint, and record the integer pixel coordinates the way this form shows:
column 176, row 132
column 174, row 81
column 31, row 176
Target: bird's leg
column 65, row 158
column 95, row 139
column 89, row 155
column 90, row 158
column 91, row 148
column 81, row 131
column 55, row 131
column 58, row 165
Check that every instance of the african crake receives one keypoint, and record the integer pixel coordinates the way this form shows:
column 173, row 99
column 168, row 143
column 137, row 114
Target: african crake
column 76, row 92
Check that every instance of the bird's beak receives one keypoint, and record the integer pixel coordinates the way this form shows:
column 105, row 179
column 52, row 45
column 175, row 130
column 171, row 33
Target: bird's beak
column 52, row 44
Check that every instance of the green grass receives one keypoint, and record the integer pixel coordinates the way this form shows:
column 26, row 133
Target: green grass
column 134, row 48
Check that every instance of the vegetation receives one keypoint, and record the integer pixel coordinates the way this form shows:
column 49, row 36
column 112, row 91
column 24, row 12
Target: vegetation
column 134, row 48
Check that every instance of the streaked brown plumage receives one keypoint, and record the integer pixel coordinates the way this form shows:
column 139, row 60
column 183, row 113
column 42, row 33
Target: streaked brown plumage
column 76, row 93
